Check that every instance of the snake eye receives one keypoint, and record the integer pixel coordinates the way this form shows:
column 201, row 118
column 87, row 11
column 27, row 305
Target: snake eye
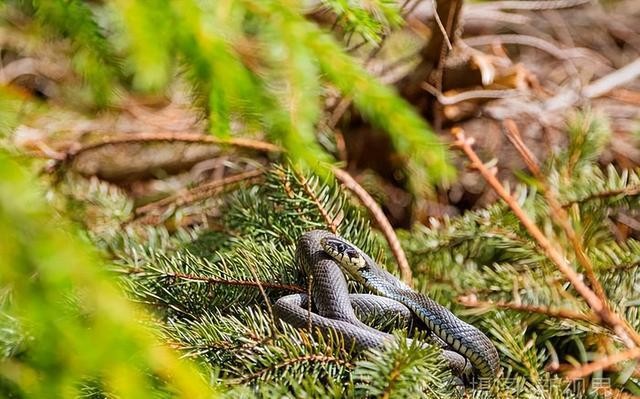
column 351, row 253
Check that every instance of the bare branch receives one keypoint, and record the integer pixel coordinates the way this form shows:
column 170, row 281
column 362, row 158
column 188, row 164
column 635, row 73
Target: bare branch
column 603, row 363
column 177, row 137
column 615, row 79
column 471, row 301
column 469, row 95
column 200, row 192
column 382, row 221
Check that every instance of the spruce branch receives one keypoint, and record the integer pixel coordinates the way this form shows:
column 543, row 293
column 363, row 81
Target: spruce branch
column 402, row 370
column 249, row 283
column 613, row 393
column 613, row 320
column 472, row 301
column 558, row 213
column 200, row 192
column 628, row 191
column 325, row 215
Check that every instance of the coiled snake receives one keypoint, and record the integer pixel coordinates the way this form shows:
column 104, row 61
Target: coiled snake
column 325, row 256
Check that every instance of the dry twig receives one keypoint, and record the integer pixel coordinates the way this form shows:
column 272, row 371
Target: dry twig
column 513, row 134
column 531, row 5
column 382, row 221
column 471, row 301
column 615, row 79
column 177, row 137
column 603, row 363
column 469, row 95
column 200, row 192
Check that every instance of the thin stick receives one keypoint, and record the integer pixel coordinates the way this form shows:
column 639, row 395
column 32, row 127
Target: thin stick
column 513, row 134
column 469, row 95
column 615, row 79
column 182, row 137
column 602, row 363
column 199, row 192
column 443, row 30
column 212, row 280
column 470, row 301
column 531, row 5
column 382, row 221
column 526, row 40
column 622, row 329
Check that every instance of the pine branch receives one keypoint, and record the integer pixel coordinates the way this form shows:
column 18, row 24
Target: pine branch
column 402, row 370
column 610, row 318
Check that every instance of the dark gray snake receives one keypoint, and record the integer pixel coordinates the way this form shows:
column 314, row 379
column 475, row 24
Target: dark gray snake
column 325, row 256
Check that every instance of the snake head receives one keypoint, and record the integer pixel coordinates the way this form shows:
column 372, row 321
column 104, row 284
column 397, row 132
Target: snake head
column 344, row 253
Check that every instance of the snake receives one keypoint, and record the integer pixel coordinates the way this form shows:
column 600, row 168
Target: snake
column 327, row 259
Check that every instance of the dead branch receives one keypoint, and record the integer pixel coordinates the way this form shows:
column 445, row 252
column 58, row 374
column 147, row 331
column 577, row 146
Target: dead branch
column 513, row 134
column 471, row 301
column 526, row 40
column 177, row 137
column 382, row 221
column 531, row 5
column 613, row 80
column 469, row 95
column 603, row 363
column 198, row 193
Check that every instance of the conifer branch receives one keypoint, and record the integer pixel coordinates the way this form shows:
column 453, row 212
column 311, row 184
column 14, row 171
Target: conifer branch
column 329, row 221
column 631, row 190
column 471, row 301
column 200, row 192
column 558, row 213
column 613, row 393
column 619, row 326
column 294, row 361
column 249, row 283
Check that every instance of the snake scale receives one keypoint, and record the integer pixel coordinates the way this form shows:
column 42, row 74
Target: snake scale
column 328, row 258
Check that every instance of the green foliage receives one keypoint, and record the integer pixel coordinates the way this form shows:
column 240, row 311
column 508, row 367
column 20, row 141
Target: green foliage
column 251, row 347
column 256, row 67
column 369, row 19
column 487, row 255
column 210, row 291
column 402, row 370
column 60, row 311
column 93, row 57
column 203, row 288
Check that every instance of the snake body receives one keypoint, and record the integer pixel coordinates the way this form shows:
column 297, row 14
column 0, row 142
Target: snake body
column 327, row 257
